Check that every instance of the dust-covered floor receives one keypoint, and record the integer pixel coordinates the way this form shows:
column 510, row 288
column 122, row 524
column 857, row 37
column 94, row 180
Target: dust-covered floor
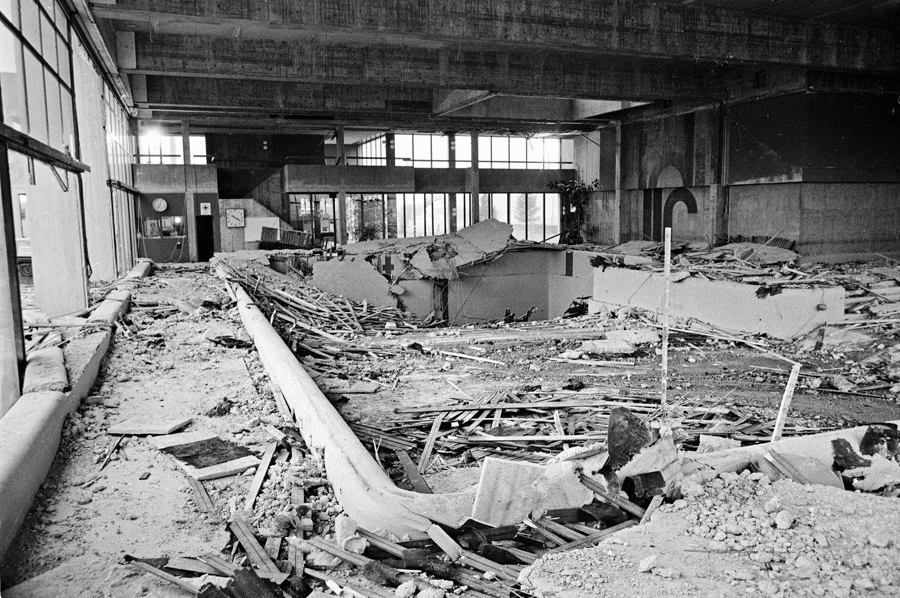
column 163, row 362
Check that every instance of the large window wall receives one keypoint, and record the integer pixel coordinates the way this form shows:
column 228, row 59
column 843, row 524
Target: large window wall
column 36, row 71
column 156, row 148
column 433, row 151
column 533, row 216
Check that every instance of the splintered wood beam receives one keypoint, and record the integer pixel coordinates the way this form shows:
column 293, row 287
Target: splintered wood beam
column 409, row 468
column 429, row 443
column 163, row 575
column 260, row 476
column 595, row 538
column 622, row 503
column 204, row 502
column 257, row 555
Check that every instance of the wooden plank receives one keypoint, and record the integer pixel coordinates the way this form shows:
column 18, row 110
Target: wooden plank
column 149, row 425
column 540, row 405
column 487, row 566
column 282, row 405
column 617, row 501
column 222, row 469
column 260, row 476
column 654, row 504
column 194, row 565
column 217, row 562
column 382, row 543
column 559, row 529
column 201, row 496
column 163, row 575
column 409, row 468
column 595, row 538
column 472, row 357
column 445, row 542
column 257, row 555
column 429, row 443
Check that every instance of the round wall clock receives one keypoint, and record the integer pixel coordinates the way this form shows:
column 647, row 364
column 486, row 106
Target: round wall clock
column 159, row 204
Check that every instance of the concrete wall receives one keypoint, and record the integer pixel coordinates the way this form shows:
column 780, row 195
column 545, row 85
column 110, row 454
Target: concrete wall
column 844, row 220
column 729, row 306
column 764, row 210
column 569, row 276
column 168, row 181
column 234, row 239
column 517, row 280
column 98, row 207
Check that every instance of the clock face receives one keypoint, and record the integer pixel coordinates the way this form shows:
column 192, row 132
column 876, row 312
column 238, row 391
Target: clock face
column 159, row 204
column 234, row 218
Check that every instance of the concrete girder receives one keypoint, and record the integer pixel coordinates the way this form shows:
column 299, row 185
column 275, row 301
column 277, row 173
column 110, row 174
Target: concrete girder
column 534, row 73
column 640, row 28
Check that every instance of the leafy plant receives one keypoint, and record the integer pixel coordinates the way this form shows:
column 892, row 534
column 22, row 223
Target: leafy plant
column 574, row 195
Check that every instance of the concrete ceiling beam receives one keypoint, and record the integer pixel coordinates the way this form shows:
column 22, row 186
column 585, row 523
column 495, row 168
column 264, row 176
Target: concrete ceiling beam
column 640, row 28
column 532, row 73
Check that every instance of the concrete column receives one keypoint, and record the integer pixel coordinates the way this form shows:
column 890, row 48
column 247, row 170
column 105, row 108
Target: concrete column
column 190, row 209
column 12, row 343
column 390, row 151
column 390, row 154
column 474, row 182
column 451, row 198
column 340, row 234
column 718, row 192
column 622, row 212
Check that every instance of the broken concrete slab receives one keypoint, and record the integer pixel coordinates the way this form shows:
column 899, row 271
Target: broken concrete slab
column 607, row 347
column 634, row 336
column 510, row 491
column 881, row 473
column 724, row 304
column 46, row 371
column 660, row 457
column 355, row 279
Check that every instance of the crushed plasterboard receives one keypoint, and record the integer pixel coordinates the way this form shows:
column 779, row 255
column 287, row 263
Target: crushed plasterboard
column 509, row 491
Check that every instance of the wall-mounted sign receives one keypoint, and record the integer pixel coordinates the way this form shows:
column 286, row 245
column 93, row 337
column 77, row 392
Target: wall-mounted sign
column 205, row 208
column 234, row 218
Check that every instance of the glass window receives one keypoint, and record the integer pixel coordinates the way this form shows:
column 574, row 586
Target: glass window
column 484, row 206
column 409, row 215
column 517, row 156
column 31, row 24
column 551, row 153
column 518, row 214
column 499, row 208
column 403, row 150
column 12, row 83
column 54, row 113
column 484, row 152
column 10, row 9
column 48, row 42
column 463, row 151
column 62, row 56
column 197, row 144
column 535, row 212
column 37, row 101
column 552, row 217
column 499, row 152
column 440, row 151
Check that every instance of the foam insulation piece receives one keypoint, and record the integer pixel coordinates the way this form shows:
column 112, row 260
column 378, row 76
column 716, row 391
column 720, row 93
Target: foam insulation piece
column 510, row 491
column 355, row 279
column 724, row 304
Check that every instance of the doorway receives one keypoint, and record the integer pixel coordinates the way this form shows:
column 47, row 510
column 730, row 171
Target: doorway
column 205, row 241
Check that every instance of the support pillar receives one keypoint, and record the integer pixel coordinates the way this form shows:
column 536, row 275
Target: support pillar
column 718, row 191
column 190, row 183
column 474, row 183
column 340, row 233
column 390, row 208
column 622, row 232
column 12, row 339
column 451, row 197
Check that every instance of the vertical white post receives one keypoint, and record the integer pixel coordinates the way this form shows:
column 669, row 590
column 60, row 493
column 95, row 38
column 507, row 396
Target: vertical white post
column 664, row 377
column 786, row 399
